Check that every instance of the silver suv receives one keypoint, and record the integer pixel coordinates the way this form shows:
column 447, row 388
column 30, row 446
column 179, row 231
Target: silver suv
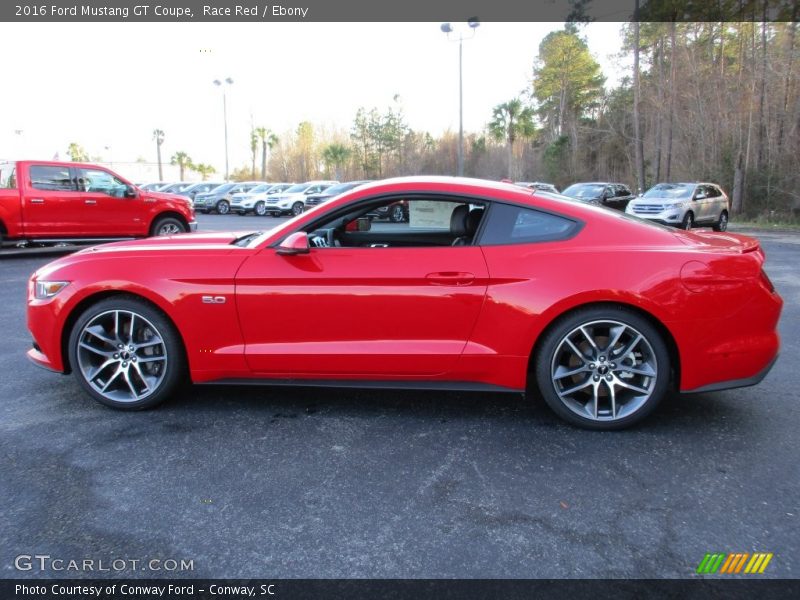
column 683, row 205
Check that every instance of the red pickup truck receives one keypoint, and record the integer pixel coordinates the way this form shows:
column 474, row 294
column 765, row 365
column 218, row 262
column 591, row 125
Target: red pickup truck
column 52, row 202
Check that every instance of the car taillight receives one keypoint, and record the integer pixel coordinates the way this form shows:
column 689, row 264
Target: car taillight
column 767, row 281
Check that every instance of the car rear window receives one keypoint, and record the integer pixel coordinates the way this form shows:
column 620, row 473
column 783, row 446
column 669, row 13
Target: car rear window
column 510, row 224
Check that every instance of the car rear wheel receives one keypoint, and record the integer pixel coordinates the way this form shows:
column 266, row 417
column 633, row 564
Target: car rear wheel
column 126, row 354
column 297, row 208
column 688, row 221
column 603, row 368
column 260, row 209
column 722, row 222
column 168, row 226
column 223, row 208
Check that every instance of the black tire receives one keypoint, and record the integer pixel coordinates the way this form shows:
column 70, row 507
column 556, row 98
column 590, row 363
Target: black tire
column 167, row 357
column 722, row 222
column 168, row 226
column 297, row 208
column 260, row 208
column 549, row 352
column 397, row 214
column 223, row 207
column 688, row 221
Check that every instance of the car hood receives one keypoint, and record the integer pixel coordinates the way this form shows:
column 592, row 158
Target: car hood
column 164, row 196
column 186, row 241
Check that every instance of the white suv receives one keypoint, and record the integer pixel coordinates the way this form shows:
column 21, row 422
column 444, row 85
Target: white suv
column 683, row 205
column 293, row 200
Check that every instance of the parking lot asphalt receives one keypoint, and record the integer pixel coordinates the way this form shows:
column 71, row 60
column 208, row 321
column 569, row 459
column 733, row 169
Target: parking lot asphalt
column 270, row 482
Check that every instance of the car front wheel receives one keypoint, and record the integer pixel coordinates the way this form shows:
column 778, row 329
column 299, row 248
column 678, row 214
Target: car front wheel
column 688, row 221
column 168, row 226
column 297, row 208
column 260, row 209
column 223, row 208
column 603, row 368
column 126, row 354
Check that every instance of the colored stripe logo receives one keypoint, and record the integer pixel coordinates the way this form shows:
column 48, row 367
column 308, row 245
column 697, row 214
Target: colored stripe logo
column 734, row 563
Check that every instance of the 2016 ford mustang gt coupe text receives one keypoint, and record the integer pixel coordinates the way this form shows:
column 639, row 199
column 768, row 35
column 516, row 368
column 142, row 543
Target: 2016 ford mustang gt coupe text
column 483, row 287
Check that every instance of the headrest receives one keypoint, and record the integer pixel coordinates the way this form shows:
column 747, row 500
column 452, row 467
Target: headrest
column 458, row 220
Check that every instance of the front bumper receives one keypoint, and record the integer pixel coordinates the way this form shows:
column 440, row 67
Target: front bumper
column 192, row 225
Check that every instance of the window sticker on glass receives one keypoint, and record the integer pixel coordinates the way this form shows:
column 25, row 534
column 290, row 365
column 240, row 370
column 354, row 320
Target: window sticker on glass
column 430, row 214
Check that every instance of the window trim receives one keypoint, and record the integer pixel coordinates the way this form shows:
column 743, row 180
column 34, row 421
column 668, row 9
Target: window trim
column 578, row 224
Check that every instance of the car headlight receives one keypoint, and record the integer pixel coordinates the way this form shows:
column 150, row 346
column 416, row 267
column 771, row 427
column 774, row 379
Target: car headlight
column 47, row 289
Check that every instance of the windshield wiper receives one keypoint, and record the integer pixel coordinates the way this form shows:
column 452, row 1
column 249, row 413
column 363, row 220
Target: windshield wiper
column 246, row 239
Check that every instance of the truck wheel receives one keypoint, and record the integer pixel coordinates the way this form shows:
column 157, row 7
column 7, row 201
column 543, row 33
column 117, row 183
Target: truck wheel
column 260, row 209
column 223, row 208
column 126, row 354
column 167, row 226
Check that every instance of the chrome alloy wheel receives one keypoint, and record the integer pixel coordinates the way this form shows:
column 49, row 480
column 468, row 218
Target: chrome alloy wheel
column 169, row 228
column 122, row 356
column 604, row 370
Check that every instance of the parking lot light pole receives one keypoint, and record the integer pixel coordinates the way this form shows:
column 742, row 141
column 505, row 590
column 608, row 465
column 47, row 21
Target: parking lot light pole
column 219, row 83
column 448, row 29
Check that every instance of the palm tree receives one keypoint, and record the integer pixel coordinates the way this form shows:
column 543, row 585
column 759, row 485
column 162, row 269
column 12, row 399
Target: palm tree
column 511, row 121
column 335, row 155
column 182, row 160
column 158, row 136
column 253, row 149
column 204, row 170
column 268, row 140
column 77, row 153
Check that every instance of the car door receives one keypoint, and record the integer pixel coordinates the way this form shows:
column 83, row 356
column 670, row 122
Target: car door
column 365, row 311
column 52, row 206
column 704, row 204
column 107, row 210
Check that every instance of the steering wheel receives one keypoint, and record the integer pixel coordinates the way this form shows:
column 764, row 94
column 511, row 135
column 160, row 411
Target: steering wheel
column 325, row 239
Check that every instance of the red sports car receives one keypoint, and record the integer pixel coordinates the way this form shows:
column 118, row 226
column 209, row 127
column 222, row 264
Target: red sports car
column 488, row 286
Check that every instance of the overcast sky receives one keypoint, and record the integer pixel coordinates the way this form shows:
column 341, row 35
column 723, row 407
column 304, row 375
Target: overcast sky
column 106, row 86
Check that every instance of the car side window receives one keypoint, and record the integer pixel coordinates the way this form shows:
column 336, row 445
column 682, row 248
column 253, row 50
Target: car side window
column 101, row 182
column 51, row 179
column 510, row 224
column 623, row 191
column 8, row 179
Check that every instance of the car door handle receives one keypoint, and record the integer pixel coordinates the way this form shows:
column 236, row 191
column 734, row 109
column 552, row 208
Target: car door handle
column 37, row 200
column 91, row 201
column 450, row 278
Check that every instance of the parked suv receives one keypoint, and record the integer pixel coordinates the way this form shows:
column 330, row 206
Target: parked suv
column 293, row 199
column 612, row 195
column 51, row 202
column 683, row 205
column 255, row 201
column 200, row 188
column 219, row 199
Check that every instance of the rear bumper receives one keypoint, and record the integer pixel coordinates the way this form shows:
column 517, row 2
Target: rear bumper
column 735, row 383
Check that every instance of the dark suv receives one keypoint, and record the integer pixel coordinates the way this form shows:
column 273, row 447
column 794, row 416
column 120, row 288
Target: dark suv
column 612, row 195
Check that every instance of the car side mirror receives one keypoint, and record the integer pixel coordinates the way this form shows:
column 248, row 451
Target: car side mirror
column 130, row 192
column 297, row 243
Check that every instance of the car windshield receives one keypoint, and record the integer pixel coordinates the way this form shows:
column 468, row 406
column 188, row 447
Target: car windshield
column 583, row 190
column 339, row 188
column 278, row 188
column 297, row 188
column 670, row 190
column 225, row 187
column 260, row 188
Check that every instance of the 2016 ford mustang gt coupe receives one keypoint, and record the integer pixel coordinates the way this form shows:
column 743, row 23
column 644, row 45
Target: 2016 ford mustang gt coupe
column 483, row 287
